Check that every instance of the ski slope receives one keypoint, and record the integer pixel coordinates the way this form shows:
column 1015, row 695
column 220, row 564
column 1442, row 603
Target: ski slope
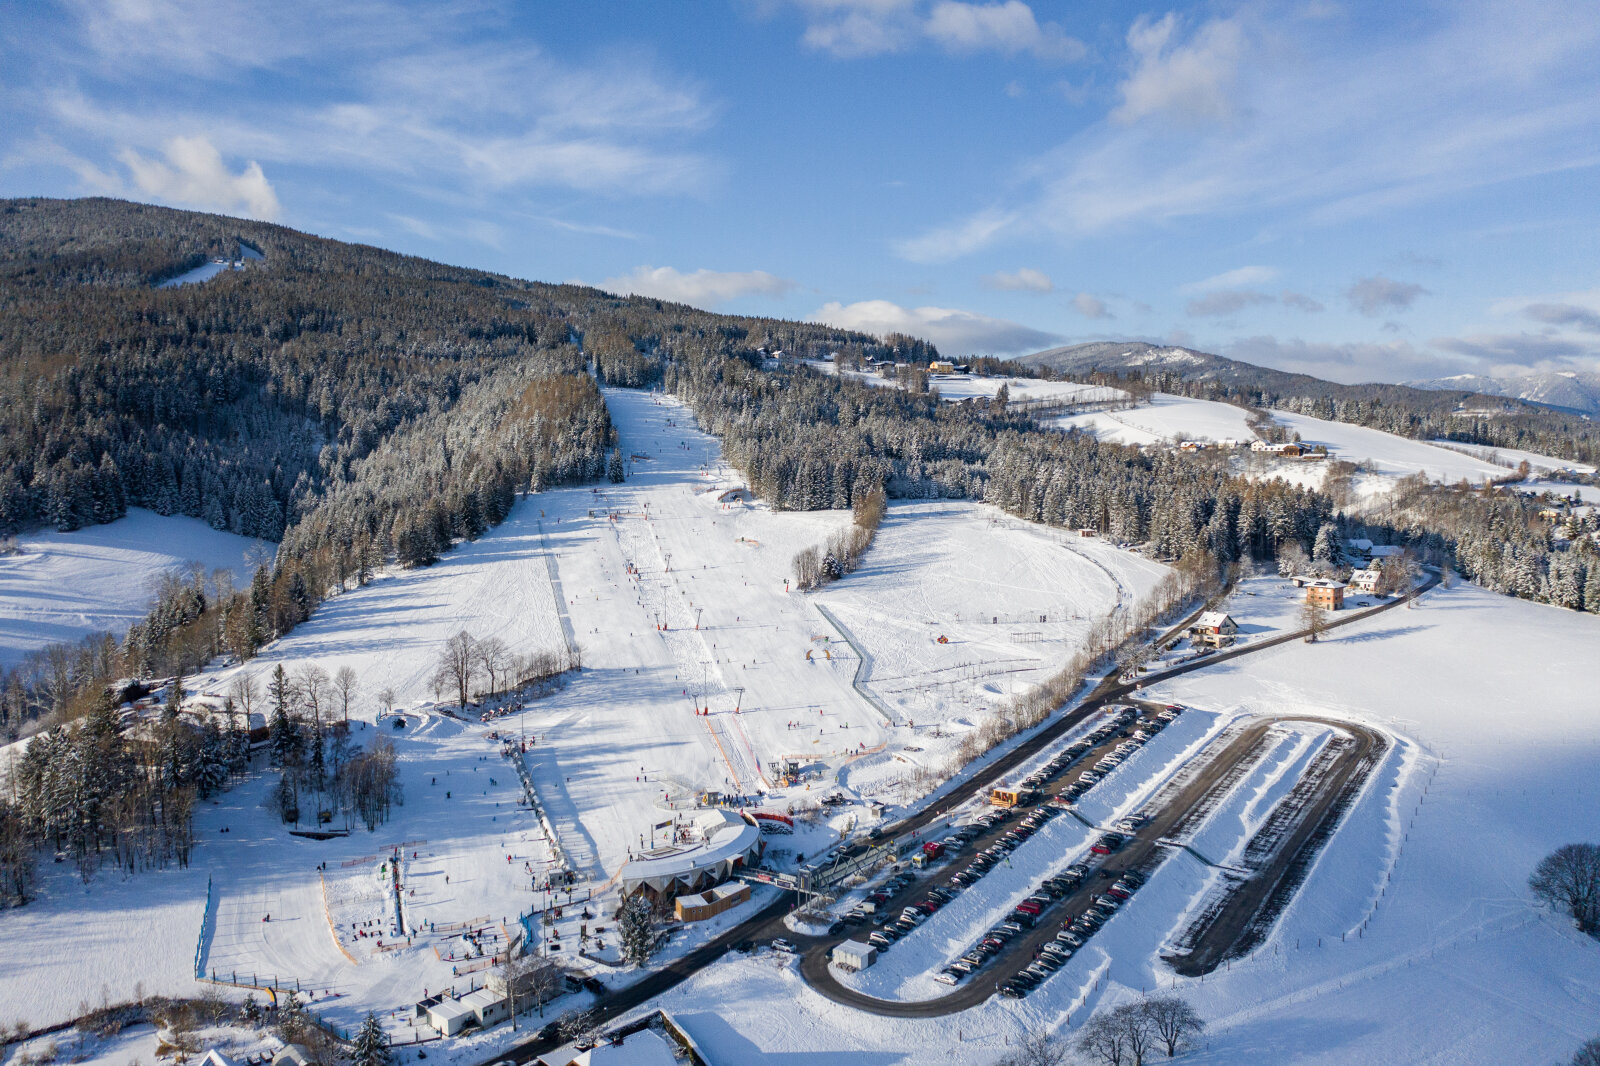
column 459, row 815
column 675, row 546
column 61, row 587
column 1165, row 419
column 1012, row 600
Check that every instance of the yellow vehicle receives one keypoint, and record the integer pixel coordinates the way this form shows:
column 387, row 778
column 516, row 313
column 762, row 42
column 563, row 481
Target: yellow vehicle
column 1006, row 796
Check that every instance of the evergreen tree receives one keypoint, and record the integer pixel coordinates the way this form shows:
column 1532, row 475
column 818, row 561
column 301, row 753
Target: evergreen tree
column 175, row 697
column 636, row 930
column 371, row 1046
column 614, row 467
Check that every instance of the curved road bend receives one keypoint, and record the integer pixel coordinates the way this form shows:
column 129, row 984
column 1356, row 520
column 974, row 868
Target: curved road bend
column 768, row 920
column 1193, row 799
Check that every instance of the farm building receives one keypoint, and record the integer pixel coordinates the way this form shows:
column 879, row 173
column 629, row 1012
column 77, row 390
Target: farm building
column 1325, row 593
column 1214, row 628
column 1365, row 580
column 699, row 906
column 853, row 955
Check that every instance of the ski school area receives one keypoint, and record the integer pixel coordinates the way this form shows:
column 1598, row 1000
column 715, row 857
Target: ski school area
column 712, row 702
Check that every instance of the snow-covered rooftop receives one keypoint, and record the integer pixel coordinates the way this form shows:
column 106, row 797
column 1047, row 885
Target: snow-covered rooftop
column 724, row 837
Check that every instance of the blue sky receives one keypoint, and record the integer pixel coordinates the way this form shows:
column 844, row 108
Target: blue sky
column 1361, row 191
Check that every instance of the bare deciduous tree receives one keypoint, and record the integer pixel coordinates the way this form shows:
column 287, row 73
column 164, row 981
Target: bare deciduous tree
column 458, row 665
column 345, row 684
column 1176, row 1024
column 1036, row 1049
column 1103, row 1041
column 495, row 659
column 312, row 685
column 244, row 692
column 1569, row 879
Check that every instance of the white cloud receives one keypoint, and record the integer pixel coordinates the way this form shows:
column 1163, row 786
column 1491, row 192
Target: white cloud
column 852, row 29
column 1191, row 79
column 195, row 176
column 1005, row 27
column 434, row 98
column 1487, row 93
column 1090, row 306
column 1376, row 295
column 1227, row 302
column 1231, row 279
column 955, row 332
column 1346, row 362
column 952, row 242
column 702, row 288
column 1026, row 279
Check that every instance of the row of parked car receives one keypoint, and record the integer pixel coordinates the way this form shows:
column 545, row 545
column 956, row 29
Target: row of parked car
column 1075, row 932
column 1053, row 888
column 914, row 914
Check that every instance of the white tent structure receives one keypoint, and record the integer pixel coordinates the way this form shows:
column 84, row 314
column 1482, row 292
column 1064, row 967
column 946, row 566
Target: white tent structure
column 710, row 847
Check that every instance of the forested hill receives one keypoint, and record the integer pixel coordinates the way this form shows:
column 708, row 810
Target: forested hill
column 264, row 399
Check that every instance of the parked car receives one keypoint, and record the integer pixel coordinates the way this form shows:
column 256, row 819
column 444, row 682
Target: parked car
column 784, row 946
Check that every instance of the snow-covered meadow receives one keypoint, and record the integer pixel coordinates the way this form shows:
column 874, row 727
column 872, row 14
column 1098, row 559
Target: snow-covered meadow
column 1165, row 419
column 61, row 587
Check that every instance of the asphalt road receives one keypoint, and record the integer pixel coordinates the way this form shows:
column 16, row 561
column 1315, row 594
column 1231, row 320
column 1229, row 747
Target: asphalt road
column 768, row 922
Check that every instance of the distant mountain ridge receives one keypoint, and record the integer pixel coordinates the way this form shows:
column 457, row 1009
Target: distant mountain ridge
column 1190, row 365
column 1569, row 390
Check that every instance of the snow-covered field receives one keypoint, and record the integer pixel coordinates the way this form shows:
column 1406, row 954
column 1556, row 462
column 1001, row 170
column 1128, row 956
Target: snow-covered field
column 1512, row 457
column 1020, row 390
column 1011, row 599
column 1164, row 419
column 954, row 387
column 60, row 587
column 1444, row 957
column 1389, row 455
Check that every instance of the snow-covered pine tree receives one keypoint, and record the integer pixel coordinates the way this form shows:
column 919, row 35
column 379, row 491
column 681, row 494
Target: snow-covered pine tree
column 371, row 1046
column 636, row 930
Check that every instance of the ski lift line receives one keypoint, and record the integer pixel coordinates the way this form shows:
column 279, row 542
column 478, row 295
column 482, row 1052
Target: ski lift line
column 726, row 761
column 864, row 664
column 567, row 632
